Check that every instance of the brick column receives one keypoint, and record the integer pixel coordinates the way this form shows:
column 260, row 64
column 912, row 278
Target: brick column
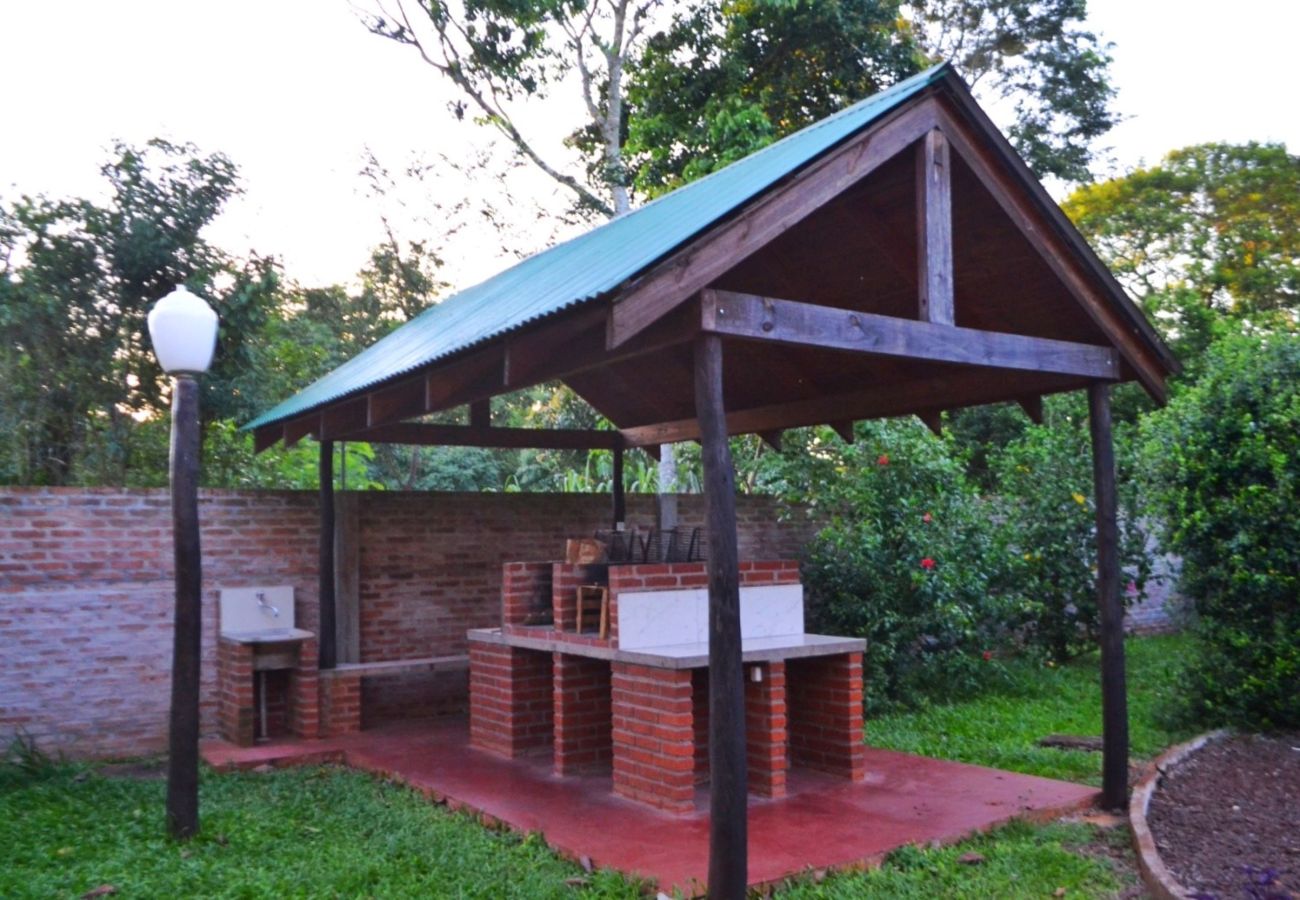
column 825, row 714
column 582, row 714
column 765, row 730
column 304, row 692
column 510, row 703
column 654, row 751
column 340, row 703
column 235, row 712
column 526, row 593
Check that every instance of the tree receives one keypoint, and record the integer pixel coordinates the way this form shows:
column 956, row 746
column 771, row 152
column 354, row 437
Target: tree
column 1208, row 240
column 724, row 79
column 1037, row 55
column 76, row 281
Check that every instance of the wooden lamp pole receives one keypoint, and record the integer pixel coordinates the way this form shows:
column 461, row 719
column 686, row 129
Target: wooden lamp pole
column 184, row 333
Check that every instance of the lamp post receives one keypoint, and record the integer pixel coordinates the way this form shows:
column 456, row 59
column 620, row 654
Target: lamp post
column 184, row 333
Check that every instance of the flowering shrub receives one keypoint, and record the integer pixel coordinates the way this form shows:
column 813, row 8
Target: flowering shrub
column 911, row 558
column 1043, row 481
column 1224, row 461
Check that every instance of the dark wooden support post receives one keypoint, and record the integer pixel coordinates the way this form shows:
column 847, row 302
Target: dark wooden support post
column 327, row 637
column 934, row 229
column 183, row 730
column 1114, row 696
column 728, row 851
column 620, row 500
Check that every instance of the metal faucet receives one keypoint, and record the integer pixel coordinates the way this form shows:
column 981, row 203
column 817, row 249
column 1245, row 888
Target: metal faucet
column 264, row 606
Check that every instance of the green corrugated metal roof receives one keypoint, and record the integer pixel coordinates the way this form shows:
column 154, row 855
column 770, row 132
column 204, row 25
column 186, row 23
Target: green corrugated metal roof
column 592, row 264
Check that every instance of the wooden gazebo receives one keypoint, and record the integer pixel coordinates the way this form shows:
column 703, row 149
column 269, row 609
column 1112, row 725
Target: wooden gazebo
column 897, row 258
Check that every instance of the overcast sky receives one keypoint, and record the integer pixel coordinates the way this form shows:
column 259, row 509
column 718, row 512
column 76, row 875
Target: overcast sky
column 294, row 91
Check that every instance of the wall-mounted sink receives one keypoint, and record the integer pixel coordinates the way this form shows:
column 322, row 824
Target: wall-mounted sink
column 254, row 615
column 267, row 635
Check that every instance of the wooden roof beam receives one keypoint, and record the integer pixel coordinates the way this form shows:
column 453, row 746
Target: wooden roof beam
column 342, row 418
column 933, row 421
column 267, row 436
column 419, row 434
column 297, row 429
column 772, row 438
column 789, row 322
column 934, row 230
column 1041, row 235
column 1033, row 407
column 951, row 391
column 845, row 430
column 694, row 267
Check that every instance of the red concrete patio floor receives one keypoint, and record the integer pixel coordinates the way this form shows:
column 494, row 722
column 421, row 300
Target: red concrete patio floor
column 824, row 822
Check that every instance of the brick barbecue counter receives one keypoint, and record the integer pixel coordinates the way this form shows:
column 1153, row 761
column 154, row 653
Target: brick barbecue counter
column 642, row 710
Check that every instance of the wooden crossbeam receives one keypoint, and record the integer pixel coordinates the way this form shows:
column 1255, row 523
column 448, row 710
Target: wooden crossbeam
column 950, row 391
column 789, row 322
column 419, row 434
column 844, row 430
column 772, row 438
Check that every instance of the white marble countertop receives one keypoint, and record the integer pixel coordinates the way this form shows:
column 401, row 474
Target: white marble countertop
column 267, row 636
column 678, row 656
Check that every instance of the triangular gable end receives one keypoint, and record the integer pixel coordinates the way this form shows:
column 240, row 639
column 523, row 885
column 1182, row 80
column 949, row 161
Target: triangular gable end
column 978, row 150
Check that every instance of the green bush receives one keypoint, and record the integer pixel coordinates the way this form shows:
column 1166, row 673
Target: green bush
column 1043, row 489
column 1224, row 464
column 911, row 558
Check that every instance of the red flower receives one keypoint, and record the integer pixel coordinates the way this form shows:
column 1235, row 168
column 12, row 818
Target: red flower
column 988, row 655
column 882, row 459
column 927, row 563
column 927, row 518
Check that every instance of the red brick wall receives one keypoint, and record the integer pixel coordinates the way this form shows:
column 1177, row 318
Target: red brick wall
column 511, row 700
column 86, row 594
column 582, row 714
column 654, row 735
column 824, row 712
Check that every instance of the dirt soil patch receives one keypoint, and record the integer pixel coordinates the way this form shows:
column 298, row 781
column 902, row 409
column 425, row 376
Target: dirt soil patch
column 1227, row 819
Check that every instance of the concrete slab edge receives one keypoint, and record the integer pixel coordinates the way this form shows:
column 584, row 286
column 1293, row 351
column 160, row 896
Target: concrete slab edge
column 1155, row 874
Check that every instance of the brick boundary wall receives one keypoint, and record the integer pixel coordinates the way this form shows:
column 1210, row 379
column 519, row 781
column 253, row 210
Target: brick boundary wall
column 86, row 596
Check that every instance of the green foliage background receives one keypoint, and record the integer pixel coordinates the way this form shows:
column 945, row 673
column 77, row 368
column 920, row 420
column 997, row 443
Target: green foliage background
column 1224, row 463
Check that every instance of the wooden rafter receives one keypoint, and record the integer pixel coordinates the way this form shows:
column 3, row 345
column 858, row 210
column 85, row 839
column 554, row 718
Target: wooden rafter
column 1009, row 194
column 419, row 434
column 789, row 322
column 693, row 268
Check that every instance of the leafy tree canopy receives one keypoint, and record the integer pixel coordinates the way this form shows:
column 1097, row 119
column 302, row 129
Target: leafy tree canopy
column 726, row 78
column 1208, row 239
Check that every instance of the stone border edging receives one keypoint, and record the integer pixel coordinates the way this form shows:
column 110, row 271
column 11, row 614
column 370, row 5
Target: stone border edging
column 1155, row 874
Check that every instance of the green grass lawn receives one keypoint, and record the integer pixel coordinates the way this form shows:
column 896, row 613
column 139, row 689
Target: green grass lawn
column 1001, row 729
column 327, row 832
